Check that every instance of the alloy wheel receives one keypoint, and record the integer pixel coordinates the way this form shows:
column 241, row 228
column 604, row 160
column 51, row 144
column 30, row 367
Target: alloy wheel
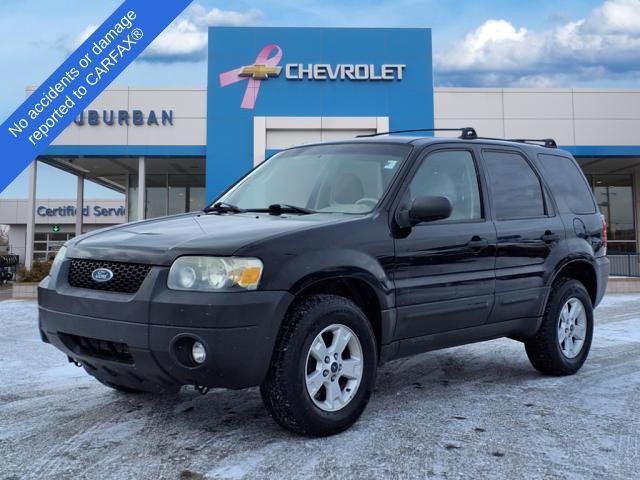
column 334, row 368
column 572, row 328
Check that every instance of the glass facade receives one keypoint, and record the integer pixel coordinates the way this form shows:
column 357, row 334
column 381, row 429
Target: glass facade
column 46, row 245
column 167, row 194
column 615, row 197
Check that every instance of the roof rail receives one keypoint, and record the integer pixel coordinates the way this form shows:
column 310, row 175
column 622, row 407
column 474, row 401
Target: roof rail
column 545, row 142
column 467, row 133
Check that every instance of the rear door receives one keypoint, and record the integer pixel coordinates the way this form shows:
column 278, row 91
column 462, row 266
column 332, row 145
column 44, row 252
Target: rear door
column 444, row 269
column 529, row 233
column 575, row 203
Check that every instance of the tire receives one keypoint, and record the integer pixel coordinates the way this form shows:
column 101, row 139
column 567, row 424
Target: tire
column 547, row 352
column 285, row 391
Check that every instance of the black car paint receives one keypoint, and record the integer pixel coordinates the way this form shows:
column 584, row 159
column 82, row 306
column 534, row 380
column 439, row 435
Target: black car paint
column 437, row 285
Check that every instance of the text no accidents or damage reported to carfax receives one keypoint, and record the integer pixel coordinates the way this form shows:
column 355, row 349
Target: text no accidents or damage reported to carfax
column 60, row 96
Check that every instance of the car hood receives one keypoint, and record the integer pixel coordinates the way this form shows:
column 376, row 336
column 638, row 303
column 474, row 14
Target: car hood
column 160, row 241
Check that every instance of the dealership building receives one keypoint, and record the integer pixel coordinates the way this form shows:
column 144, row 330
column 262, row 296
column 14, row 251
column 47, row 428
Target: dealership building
column 170, row 150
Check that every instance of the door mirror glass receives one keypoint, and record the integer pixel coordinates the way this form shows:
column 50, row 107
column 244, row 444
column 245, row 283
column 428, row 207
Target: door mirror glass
column 429, row 209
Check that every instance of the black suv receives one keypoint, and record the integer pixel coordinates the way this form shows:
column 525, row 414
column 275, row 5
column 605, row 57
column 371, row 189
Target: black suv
column 328, row 260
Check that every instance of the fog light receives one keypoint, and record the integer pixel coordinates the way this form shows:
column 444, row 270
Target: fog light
column 198, row 353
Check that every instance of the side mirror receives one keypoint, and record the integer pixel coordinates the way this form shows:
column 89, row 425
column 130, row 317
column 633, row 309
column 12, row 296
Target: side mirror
column 426, row 209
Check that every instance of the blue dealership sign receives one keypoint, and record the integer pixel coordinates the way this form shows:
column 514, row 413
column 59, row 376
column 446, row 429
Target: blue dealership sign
column 309, row 72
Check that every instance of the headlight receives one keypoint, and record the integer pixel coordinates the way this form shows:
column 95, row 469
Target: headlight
column 207, row 274
column 55, row 265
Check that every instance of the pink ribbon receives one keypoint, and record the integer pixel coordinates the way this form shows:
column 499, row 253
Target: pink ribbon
column 253, row 87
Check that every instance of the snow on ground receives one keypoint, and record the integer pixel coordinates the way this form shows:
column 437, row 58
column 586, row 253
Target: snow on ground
column 478, row 411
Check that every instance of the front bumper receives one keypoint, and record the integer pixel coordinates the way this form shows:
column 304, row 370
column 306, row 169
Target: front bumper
column 138, row 337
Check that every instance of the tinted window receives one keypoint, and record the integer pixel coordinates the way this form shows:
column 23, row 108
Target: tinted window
column 450, row 174
column 514, row 186
column 567, row 182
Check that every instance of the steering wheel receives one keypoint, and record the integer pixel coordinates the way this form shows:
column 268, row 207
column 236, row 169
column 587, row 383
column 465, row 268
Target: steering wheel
column 366, row 201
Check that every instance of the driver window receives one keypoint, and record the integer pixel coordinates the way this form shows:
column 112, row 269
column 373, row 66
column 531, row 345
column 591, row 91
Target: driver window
column 451, row 174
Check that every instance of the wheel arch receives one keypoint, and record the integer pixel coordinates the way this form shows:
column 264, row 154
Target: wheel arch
column 370, row 298
column 581, row 269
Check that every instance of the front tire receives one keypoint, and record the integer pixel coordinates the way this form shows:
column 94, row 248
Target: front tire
column 562, row 344
column 323, row 368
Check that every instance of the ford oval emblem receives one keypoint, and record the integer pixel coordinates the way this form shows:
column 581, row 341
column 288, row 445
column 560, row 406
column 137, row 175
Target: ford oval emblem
column 101, row 275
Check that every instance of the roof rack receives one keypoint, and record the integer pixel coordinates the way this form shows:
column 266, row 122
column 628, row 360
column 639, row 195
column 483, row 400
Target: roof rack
column 545, row 142
column 467, row 133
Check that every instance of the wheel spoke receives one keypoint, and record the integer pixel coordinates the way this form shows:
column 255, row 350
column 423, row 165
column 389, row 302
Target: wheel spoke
column 314, row 382
column 340, row 340
column 568, row 345
column 319, row 349
column 334, row 395
column 580, row 332
column 352, row 368
column 561, row 334
column 564, row 318
column 576, row 311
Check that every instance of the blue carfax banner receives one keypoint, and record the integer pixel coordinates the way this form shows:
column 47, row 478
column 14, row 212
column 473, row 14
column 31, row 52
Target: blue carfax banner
column 79, row 80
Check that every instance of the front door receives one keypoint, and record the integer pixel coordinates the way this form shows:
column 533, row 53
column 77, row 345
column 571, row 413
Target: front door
column 444, row 270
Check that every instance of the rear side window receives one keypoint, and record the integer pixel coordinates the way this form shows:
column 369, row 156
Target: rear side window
column 567, row 182
column 515, row 187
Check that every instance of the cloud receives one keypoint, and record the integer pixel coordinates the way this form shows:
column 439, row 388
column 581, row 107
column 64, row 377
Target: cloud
column 185, row 40
column 604, row 44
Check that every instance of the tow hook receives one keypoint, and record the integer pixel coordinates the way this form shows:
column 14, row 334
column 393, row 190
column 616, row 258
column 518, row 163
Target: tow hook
column 74, row 361
column 201, row 390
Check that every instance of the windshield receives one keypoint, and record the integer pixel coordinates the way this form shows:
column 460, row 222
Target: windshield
column 342, row 178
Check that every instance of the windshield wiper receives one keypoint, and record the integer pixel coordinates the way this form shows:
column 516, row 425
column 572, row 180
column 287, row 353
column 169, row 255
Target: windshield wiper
column 278, row 208
column 223, row 207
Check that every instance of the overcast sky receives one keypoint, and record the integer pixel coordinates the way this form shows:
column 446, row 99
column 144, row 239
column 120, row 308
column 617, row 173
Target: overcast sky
column 492, row 43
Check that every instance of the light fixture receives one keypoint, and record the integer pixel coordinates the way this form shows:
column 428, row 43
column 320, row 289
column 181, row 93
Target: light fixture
column 198, row 353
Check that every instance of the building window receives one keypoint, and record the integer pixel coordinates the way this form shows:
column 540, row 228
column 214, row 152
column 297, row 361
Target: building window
column 167, row 194
column 157, row 196
column 46, row 245
column 614, row 194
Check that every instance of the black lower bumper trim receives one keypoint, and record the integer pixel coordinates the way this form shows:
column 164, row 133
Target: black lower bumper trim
column 140, row 355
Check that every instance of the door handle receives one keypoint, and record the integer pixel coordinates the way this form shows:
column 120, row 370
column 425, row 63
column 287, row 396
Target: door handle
column 477, row 243
column 549, row 237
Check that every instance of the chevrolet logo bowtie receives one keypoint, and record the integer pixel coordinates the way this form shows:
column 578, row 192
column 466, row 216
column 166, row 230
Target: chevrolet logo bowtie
column 260, row 72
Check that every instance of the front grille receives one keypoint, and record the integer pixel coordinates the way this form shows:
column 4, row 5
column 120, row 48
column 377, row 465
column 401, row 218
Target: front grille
column 104, row 349
column 127, row 277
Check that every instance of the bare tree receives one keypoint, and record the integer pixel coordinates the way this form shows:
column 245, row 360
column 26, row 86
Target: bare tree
column 4, row 235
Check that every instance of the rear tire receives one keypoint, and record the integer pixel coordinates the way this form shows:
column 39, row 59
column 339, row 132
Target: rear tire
column 562, row 344
column 316, row 328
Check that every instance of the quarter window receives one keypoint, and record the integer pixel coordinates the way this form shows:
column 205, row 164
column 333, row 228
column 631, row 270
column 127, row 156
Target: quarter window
column 567, row 181
column 514, row 186
column 451, row 174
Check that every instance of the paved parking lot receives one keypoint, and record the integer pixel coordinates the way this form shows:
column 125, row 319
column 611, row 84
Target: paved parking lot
column 478, row 411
